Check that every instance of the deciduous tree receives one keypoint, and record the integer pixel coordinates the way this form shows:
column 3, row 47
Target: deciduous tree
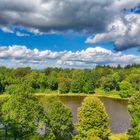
column 59, row 119
column 22, row 113
column 134, row 110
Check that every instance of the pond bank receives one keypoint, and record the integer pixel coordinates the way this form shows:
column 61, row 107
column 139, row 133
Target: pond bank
column 2, row 96
column 81, row 95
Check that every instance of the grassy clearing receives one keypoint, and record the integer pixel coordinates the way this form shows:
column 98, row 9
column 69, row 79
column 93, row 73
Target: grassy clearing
column 57, row 94
column 111, row 94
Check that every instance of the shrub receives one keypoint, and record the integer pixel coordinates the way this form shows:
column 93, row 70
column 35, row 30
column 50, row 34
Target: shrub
column 92, row 119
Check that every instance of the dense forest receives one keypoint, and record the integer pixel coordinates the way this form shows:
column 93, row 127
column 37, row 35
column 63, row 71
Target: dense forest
column 119, row 81
column 24, row 116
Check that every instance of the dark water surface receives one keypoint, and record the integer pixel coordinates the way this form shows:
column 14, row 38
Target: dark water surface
column 116, row 109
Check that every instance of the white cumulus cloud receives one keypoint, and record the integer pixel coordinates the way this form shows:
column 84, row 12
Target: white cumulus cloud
column 124, row 33
column 16, row 55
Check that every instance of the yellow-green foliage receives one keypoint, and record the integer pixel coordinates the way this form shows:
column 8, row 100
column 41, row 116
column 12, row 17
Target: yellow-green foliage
column 92, row 120
column 121, row 136
column 3, row 98
column 78, row 137
column 134, row 110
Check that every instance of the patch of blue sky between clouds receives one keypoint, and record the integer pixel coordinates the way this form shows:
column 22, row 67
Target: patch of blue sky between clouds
column 135, row 9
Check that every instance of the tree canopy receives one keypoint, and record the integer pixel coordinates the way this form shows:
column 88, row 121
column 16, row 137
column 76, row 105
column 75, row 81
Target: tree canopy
column 22, row 114
column 59, row 119
column 134, row 110
column 92, row 120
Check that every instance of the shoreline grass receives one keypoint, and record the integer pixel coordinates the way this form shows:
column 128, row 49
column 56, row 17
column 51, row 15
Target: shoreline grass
column 80, row 94
column 97, row 94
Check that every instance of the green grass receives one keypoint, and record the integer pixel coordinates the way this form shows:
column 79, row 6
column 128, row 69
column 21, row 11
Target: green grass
column 97, row 94
column 57, row 94
column 109, row 94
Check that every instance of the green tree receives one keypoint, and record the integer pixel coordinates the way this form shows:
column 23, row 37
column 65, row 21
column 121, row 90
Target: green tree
column 135, row 79
column 89, row 82
column 22, row 113
column 19, row 88
column 92, row 120
column 1, row 88
column 110, row 82
column 37, row 80
column 2, row 83
column 21, row 72
column 134, row 110
column 64, row 85
column 76, row 86
column 89, row 86
column 53, row 81
column 77, row 81
column 59, row 125
column 106, row 83
column 126, row 89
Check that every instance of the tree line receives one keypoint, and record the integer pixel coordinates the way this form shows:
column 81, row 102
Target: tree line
column 124, row 81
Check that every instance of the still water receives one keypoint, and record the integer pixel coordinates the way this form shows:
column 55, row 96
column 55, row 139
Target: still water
column 116, row 109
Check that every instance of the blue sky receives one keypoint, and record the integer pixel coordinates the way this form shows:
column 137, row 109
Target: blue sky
column 53, row 34
column 54, row 42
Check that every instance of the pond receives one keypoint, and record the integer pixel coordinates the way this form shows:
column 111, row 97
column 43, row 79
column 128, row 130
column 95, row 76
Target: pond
column 116, row 109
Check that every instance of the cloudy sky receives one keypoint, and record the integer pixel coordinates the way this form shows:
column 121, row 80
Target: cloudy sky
column 69, row 33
